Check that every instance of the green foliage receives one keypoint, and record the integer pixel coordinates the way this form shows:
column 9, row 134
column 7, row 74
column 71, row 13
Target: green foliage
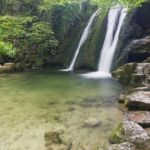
column 7, row 49
column 27, row 34
column 105, row 4
column 65, row 18
column 49, row 4
column 15, row 7
column 28, row 26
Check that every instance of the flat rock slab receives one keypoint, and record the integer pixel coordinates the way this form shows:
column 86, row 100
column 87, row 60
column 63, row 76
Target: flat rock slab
column 139, row 100
column 140, row 117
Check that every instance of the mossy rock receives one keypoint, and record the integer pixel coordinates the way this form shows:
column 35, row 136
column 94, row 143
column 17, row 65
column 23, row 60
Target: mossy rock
column 117, row 135
column 90, row 51
column 147, row 60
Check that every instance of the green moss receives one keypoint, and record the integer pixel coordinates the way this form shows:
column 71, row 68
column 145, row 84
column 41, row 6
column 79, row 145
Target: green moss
column 117, row 135
column 89, row 54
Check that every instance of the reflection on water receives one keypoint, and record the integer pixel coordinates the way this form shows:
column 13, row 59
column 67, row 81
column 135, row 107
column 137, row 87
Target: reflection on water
column 37, row 102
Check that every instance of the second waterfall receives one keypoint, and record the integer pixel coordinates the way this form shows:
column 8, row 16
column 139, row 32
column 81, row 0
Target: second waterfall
column 82, row 41
column 115, row 20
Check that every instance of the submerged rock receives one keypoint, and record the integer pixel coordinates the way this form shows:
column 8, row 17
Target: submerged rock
column 122, row 146
column 138, row 100
column 140, row 117
column 52, row 137
column 92, row 122
column 53, row 141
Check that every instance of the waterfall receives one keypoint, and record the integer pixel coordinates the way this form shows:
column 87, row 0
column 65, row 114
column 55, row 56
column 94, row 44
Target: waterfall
column 82, row 41
column 110, row 42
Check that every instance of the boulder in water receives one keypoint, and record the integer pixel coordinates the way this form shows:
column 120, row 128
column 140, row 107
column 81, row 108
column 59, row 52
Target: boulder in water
column 92, row 122
column 54, row 141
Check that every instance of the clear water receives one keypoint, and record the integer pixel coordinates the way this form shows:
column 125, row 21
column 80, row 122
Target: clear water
column 33, row 103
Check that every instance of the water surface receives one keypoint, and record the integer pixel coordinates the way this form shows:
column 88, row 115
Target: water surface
column 33, row 103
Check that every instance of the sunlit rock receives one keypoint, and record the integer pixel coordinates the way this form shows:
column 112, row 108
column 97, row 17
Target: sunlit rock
column 138, row 100
column 122, row 146
column 130, row 131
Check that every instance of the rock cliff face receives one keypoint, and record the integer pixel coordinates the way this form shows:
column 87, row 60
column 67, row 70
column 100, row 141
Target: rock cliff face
column 90, row 52
column 134, row 74
column 134, row 44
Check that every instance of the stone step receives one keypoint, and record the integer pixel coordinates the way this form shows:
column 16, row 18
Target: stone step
column 140, row 117
column 139, row 100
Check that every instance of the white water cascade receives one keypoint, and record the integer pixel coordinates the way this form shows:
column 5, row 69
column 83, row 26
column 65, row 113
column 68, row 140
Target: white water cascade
column 110, row 43
column 82, row 41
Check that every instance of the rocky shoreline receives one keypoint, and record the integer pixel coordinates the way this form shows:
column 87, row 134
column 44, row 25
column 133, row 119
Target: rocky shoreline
column 134, row 131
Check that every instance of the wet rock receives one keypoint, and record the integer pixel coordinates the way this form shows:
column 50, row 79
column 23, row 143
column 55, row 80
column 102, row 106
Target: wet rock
column 52, row 137
column 138, row 100
column 147, row 60
column 139, row 49
column 134, row 74
column 74, row 146
column 71, row 108
column 122, row 98
column 53, row 140
column 140, row 117
column 122, row 146
column 92, row 122
column 7, row 67
column 123, row 73
column 117, row 135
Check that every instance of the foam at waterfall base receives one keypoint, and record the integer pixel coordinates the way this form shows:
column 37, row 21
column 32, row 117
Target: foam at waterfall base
column 96, row 75
column 66, row 70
